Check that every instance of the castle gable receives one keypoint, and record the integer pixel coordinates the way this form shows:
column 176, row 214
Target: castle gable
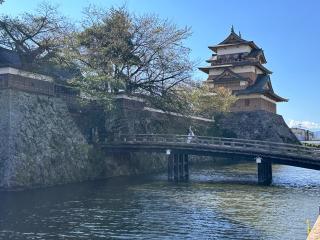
column 232, row 39
column 228, row 75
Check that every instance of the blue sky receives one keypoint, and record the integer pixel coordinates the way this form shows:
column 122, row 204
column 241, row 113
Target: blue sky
column 288, row 31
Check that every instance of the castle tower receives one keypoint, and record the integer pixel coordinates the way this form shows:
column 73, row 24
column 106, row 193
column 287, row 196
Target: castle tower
column 238, row 64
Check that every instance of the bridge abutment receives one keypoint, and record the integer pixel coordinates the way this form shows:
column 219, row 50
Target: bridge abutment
column 178, row 167
column 264, row 171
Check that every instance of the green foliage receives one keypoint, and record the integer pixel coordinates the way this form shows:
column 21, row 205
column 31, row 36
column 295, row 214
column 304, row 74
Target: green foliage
column 206, row 101
column 172, row 101
column 104, row 48
column 118, row 51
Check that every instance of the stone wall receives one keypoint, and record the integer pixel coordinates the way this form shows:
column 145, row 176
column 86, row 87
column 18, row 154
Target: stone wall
column 4, row 133
column 258, row 125
column 43, row 144
column 135, row 117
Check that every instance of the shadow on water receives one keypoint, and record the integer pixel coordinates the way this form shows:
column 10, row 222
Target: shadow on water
column 219, row 202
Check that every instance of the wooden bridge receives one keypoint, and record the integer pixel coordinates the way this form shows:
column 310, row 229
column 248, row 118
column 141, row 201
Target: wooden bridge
column 178, row 147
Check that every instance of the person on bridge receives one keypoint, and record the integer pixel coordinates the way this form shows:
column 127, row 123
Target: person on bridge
column 190, row 135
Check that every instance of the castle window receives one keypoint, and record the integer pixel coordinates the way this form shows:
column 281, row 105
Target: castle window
column 247, row 102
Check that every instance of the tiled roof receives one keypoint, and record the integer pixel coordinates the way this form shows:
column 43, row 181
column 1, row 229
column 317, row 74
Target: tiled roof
column 233, row 38
column 255, row 52
column 233, row 64
column 9, row 58
column 262, row 85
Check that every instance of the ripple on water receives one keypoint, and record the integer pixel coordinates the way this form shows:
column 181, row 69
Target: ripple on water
column 219, row 202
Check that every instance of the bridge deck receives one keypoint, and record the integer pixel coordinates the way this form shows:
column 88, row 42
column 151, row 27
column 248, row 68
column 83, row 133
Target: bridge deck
column 282, row 153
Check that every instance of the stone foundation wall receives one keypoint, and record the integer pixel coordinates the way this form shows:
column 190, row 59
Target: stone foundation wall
column 258, row 125
column 4, row 133
column 133, row 116
column 42, row 144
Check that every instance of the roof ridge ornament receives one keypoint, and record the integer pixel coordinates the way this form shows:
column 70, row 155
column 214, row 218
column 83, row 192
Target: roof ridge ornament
column 232, row 29
column 239, row 34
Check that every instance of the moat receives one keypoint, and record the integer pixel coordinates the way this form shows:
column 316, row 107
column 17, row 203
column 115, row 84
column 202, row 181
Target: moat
column 219, row 202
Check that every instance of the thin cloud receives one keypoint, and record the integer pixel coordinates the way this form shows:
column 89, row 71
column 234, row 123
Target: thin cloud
column 304, row 124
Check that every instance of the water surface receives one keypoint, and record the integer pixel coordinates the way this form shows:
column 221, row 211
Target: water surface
column 219, row 202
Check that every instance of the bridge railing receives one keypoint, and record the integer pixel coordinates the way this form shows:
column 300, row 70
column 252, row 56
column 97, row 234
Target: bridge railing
column 263, row 146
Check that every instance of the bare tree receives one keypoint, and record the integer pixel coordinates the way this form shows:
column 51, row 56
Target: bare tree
column 137, row 54
column 36, row 37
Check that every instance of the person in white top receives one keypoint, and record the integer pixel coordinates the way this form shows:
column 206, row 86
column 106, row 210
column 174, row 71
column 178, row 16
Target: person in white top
column 190, row 135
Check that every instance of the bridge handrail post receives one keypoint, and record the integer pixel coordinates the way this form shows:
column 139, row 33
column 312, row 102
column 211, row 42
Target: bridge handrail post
column 299, row 152
column 174, row 138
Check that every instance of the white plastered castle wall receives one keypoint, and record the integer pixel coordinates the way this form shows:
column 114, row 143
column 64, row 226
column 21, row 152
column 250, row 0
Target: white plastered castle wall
column 237, row 69
column 234, row 49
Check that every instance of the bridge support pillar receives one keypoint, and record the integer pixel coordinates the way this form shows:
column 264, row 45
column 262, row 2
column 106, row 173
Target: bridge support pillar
column 178, row 167
column 264, row 172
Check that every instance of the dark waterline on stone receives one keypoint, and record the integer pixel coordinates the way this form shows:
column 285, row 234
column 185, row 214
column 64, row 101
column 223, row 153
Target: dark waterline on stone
column 219, row 202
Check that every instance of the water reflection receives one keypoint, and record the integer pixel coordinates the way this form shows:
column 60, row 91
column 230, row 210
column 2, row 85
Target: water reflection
column 219, row 202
